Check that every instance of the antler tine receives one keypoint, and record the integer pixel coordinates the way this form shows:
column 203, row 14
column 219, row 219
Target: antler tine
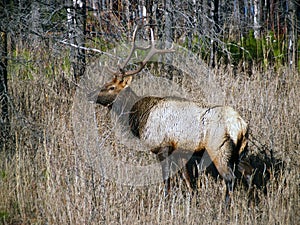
column 152, row 52
column 121, row 67
column 111, row 71
column 133, row 48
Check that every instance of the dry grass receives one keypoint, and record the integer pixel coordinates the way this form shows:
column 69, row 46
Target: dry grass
column 46, row 178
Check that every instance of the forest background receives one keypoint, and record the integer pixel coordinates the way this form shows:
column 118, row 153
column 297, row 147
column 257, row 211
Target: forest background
column 250, row 47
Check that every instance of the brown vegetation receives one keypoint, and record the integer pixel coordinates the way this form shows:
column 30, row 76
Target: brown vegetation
column 47, row 179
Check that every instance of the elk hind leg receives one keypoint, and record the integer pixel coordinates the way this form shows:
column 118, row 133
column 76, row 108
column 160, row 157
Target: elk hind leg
column 165, row 161
column 246, row 171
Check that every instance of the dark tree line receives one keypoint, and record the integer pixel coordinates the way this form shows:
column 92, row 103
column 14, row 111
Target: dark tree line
column 211, row 23
column 193, row 23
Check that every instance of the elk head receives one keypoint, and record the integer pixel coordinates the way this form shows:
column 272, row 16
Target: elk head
column 107, row 94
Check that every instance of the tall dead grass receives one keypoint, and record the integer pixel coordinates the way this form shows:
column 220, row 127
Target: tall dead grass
column 47, row 179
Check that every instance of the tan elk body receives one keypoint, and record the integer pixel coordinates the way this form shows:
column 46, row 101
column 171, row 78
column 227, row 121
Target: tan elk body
column 170, row 124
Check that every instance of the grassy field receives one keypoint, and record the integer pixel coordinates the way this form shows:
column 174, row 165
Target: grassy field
column 46, row 177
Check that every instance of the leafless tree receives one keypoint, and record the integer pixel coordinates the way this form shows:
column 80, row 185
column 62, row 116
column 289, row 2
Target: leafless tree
column 77, row 14
column 292, row 33
column 4, row 100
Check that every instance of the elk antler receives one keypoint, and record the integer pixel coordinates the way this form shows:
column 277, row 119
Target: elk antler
column 153, row 50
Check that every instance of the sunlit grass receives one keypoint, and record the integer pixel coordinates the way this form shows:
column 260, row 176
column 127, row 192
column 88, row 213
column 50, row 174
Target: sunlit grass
column 45, row 177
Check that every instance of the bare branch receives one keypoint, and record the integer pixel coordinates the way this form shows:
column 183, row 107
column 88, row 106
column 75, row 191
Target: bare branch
column 88, row 49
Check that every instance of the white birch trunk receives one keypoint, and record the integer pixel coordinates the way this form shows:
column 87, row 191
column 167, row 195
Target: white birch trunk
column 256, row 19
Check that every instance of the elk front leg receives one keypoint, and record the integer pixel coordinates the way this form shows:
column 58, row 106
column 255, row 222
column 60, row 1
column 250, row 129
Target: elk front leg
column 186, row 167
column 226, row 171
column 187, row 173
column 222, row 159
column 230, row 182
column 163, row 157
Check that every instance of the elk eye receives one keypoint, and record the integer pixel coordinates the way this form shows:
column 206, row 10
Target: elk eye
column 111, row 88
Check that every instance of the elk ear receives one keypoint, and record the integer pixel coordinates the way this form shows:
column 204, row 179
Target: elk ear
column 127, row 81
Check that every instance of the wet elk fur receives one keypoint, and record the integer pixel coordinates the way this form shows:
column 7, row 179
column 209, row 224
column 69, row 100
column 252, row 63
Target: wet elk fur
column 170, row 124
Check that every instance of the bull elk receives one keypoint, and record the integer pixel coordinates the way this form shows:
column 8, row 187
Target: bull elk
column 171, row 124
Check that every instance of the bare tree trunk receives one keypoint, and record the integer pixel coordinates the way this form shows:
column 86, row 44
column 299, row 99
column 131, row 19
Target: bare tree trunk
column 35, row 23
column 158, row 14
column 189, row 23
column 4, row 120
column 256, row 19
column 142, row 11
column 169, row 27
column 126, row 4
column 214, row 16
column 77, row 32
column 292, row 34
column 204, row 17
column 149, row 8
column 169, row 21
column 236, row 14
